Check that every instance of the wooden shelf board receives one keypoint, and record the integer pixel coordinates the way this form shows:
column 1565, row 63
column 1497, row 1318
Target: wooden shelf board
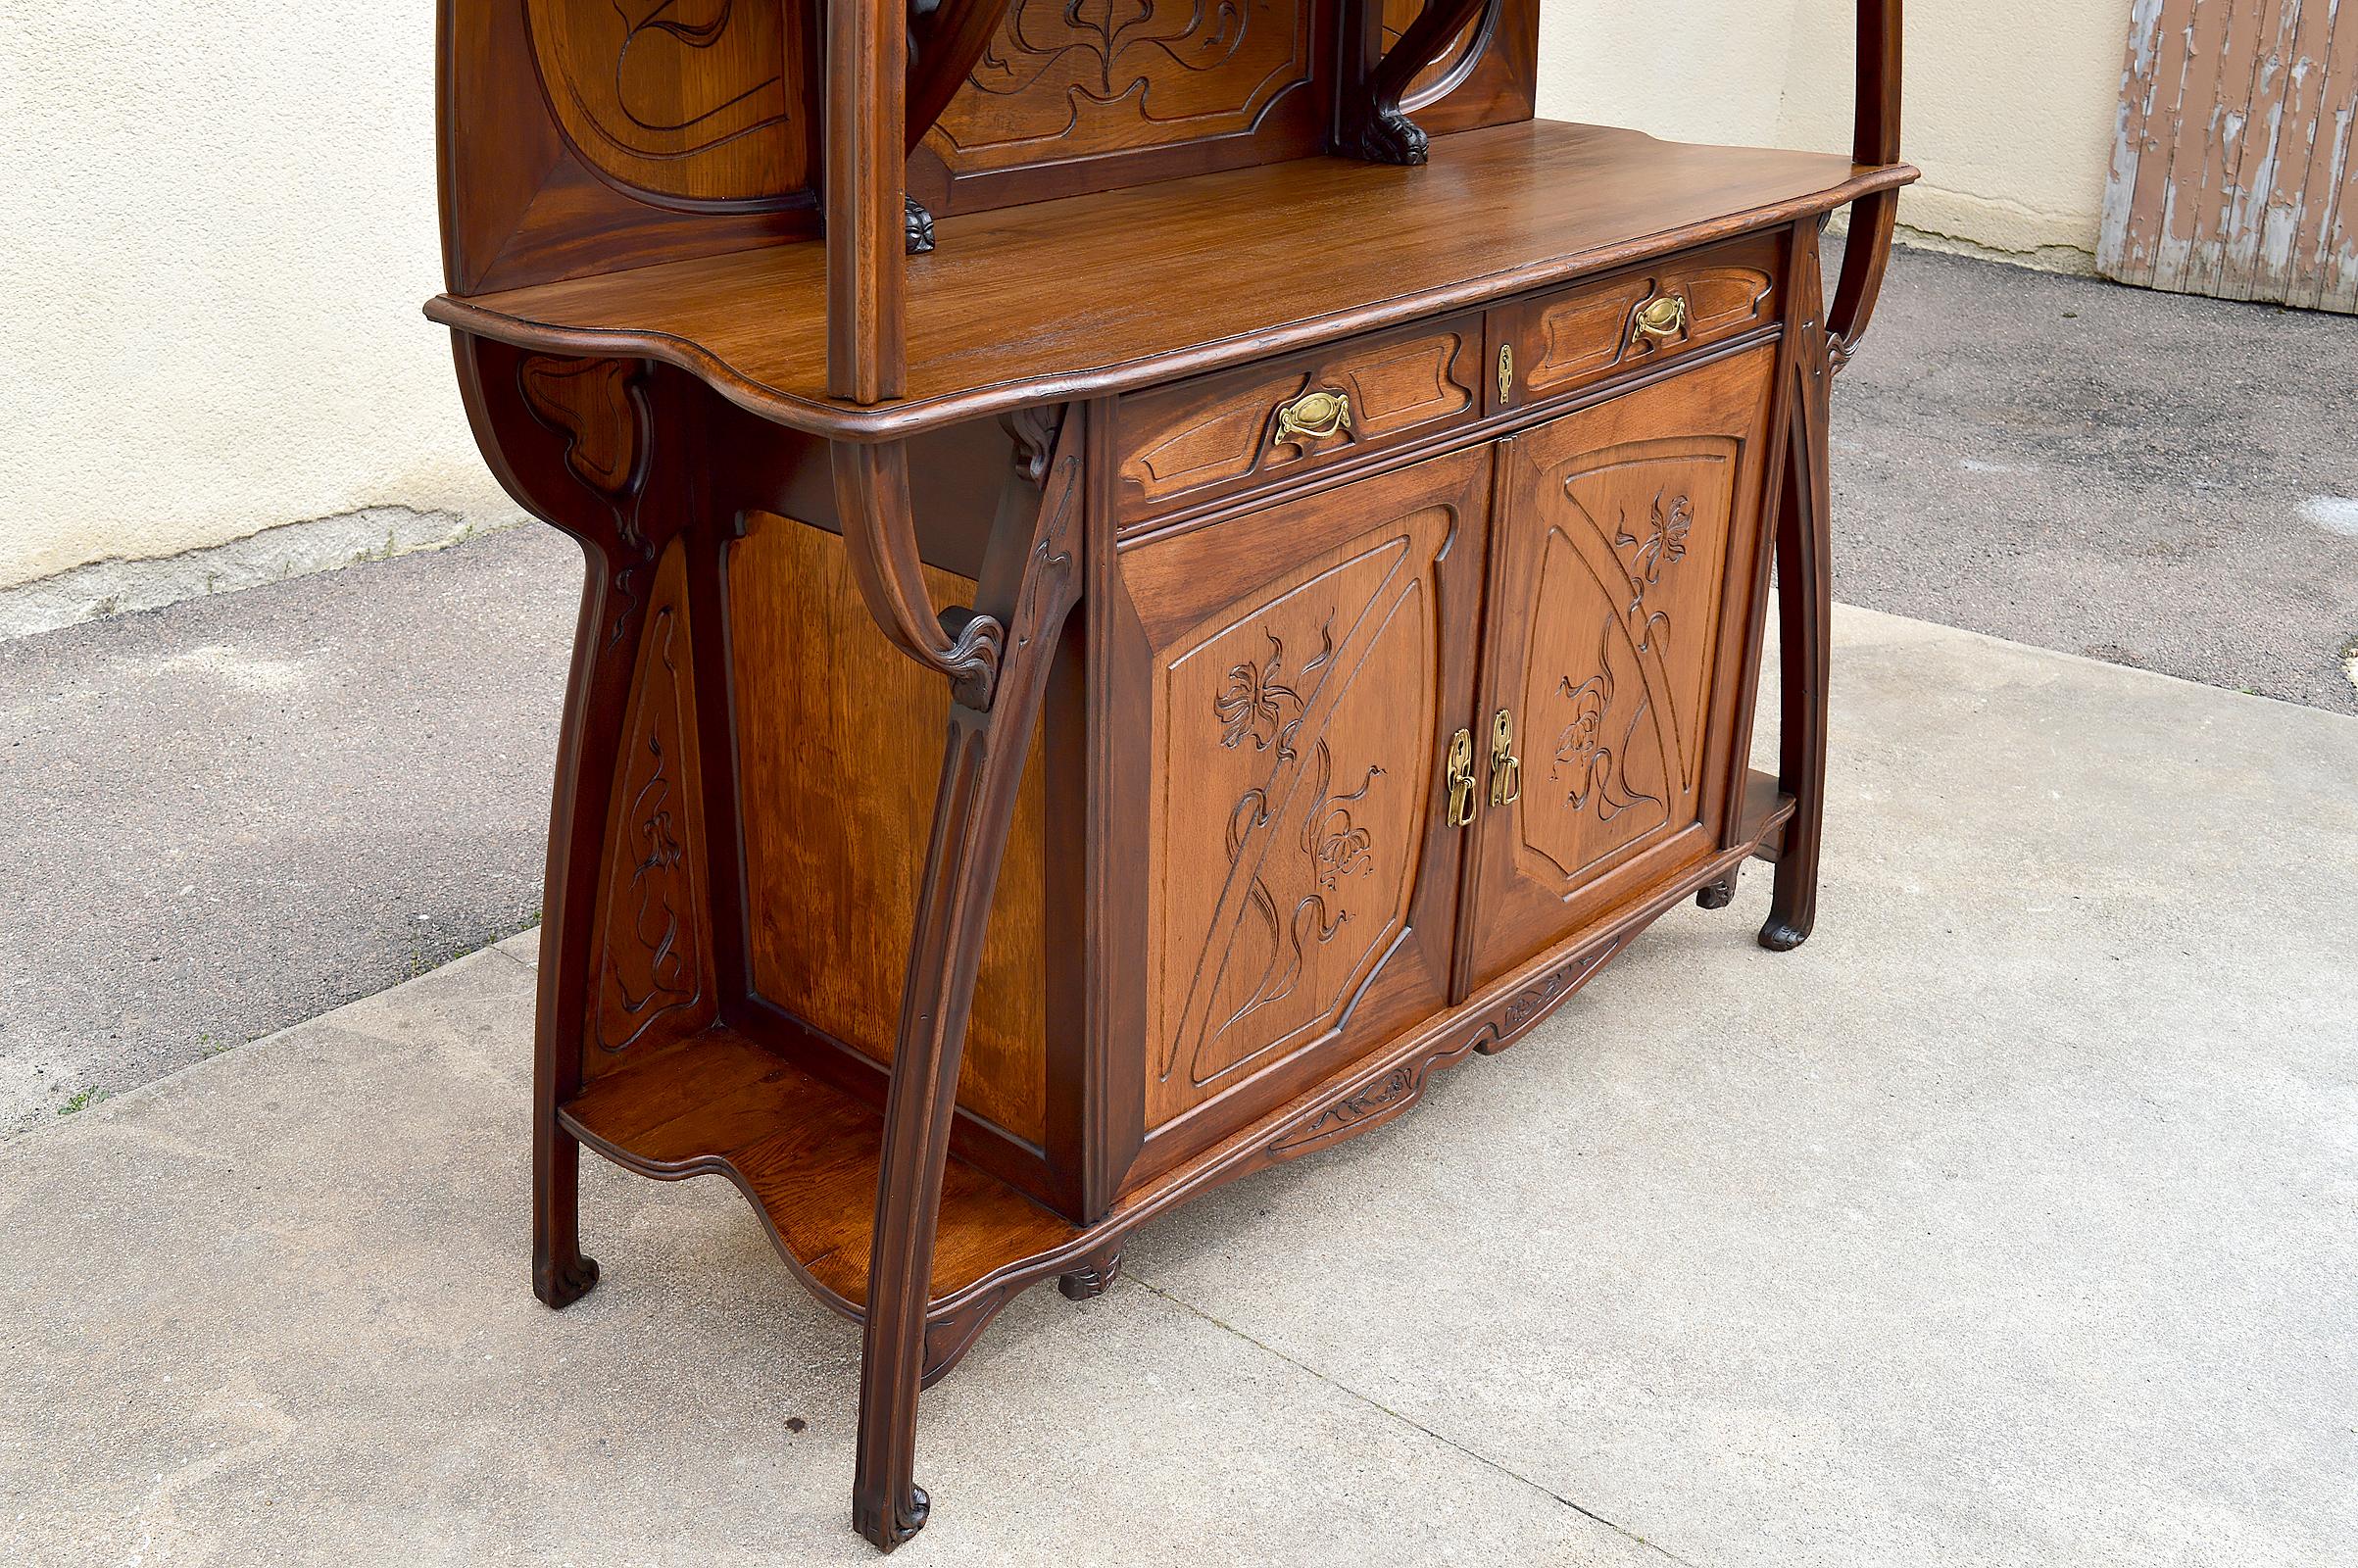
column 805, row 1154
column 1096, row 294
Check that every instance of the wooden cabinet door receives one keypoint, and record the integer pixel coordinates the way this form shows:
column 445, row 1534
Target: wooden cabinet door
column 1625, row 549
column 1280, row 887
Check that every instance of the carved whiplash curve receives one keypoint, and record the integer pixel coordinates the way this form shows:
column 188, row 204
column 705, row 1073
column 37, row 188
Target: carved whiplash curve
column 1124, row 74
column 1296, row 740
column 1457, row 59
column 693, row 100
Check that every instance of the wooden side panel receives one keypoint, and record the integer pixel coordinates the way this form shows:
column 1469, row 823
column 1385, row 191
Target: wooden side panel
column 2235, row 168
column 581, row 136
column 1305, row 666
column 653, row 939
column 696, row 99
column 840, row 740
column 1625, row 557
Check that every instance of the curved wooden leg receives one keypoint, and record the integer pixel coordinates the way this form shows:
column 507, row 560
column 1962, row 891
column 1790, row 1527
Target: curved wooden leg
column 1804, row 621
column 991, row 722
column 604, row 648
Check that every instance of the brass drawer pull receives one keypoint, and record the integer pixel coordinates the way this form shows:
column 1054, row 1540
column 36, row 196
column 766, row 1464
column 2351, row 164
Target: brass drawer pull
column 1662, row 318
column 1314, row 416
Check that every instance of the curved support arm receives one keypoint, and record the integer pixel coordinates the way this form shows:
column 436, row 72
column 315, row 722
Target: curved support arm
column 945, row 39
column 1874, row 140
column 1370, row 122
column 880, row 535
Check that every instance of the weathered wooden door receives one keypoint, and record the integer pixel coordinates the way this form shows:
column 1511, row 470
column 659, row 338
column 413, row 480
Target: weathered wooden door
column 1610, row 652
column 2234, row 171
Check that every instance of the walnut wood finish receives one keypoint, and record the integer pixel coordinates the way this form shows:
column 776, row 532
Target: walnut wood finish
column 1804, row 614
column 1876, row 140
column 1618, row 536
column 1293, row 675
column 1211, row 436
column 1565, row 341
column 1369, row 122
column 1118, row 282
column 1337, row 587
column 845, row 738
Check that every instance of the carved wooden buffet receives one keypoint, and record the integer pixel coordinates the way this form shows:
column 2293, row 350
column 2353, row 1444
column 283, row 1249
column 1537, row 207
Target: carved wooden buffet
column 1156, row 575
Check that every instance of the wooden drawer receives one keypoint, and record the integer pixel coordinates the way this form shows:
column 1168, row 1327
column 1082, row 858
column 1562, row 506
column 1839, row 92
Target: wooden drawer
column 1617, row 326
column 1196, row 440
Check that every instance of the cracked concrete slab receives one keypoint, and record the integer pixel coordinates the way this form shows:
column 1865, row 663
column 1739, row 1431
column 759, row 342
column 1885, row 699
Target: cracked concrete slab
column 2008, row 1222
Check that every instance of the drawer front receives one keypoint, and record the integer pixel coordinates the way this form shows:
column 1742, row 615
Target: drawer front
column 1634, row 320
column 1200, row 439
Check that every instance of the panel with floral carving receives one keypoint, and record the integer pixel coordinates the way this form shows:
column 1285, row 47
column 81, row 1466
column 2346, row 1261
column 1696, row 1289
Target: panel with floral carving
column 1623, row 635
column 1097, row 75
column 1303, row 662
column 653, row 943
column 1628, row 552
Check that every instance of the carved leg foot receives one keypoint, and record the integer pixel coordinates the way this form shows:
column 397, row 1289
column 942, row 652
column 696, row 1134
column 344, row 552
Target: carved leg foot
column 560, row 1285
column 1716, row 895
column 919, row 228
column 1779, row 936
column 1091, row 1280
column 561, row 1275
column 1388, row 137
column 888, row 1527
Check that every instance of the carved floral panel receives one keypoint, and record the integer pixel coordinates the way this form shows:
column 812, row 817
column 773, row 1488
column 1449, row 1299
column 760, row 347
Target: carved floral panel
column 1296, row 732
column 1624, row 639
column 1100, row 75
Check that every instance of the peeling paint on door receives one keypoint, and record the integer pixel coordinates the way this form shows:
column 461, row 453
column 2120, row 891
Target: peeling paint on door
column 2234, row 165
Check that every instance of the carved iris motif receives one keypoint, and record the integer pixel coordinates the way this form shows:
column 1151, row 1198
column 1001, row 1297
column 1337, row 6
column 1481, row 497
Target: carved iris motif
column 1665, row 540
column 1258, row 705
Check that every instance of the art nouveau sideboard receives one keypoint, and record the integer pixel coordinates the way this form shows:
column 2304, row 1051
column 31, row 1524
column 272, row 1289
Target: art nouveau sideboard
column 1156, row 574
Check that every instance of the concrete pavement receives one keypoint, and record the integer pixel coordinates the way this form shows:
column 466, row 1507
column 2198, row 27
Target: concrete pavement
column 2010, row 1221
column 234, row 814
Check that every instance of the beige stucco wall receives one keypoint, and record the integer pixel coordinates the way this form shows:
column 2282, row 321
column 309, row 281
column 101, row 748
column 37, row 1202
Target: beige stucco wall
column 2010, row 103
column 221, row 224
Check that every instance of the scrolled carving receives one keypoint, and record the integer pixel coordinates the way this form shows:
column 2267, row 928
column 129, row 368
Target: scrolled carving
column 599, row 407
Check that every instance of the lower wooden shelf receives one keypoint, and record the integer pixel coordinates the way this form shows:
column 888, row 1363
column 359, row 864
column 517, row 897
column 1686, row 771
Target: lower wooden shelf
column 805, row 1154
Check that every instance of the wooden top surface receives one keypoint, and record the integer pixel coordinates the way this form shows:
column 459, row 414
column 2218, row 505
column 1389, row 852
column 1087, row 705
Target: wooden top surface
column 1096, row 294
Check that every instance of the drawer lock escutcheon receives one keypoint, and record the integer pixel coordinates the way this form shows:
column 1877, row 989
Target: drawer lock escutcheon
column 1462, row 779
column 1314, row 416
column 1662, row 318
column 1505, row 771
column 1506, row 374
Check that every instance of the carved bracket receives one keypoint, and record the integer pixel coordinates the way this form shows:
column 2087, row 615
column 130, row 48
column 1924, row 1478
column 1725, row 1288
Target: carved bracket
column 601, row 409
column 872, row 494
column 1370, row 123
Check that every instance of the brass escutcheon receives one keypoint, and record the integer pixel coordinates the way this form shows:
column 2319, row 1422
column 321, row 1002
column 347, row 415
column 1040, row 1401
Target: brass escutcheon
column 1314, row 416
column 1506, row 374
column 1505, row 770
column 1462, row 779
column 1662, row 317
